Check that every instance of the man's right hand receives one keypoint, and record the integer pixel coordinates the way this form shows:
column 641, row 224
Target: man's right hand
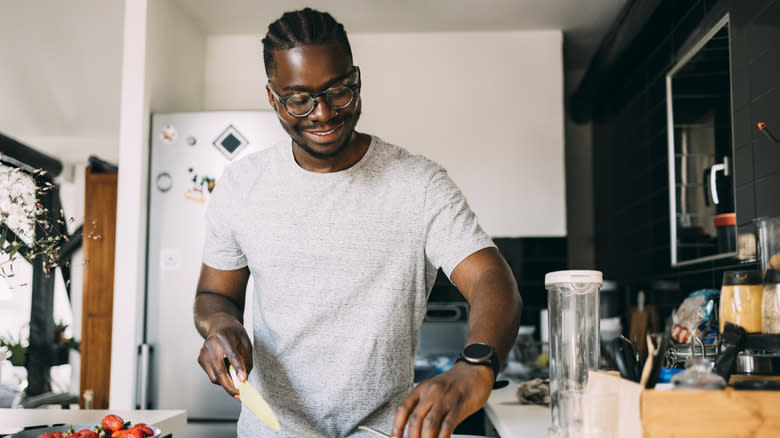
column 218, row 311
column 227, row 340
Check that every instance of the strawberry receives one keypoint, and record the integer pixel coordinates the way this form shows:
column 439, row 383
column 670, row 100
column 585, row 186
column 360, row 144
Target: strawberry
column 46, row 435
column 147, row 431
column 112, row 423
column 128, row 433
column 57, row 434
column 87, row 433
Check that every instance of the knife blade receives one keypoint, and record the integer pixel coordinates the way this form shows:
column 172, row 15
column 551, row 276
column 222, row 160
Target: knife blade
column 374, row 431
column 255, row 402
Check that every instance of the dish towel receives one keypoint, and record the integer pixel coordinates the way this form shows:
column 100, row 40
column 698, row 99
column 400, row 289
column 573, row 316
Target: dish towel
column 534, row 392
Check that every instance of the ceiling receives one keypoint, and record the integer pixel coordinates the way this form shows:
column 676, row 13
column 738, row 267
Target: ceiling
column 61, row 61
column 584, row 22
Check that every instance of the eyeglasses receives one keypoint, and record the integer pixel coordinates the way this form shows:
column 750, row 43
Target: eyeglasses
column 302, row 104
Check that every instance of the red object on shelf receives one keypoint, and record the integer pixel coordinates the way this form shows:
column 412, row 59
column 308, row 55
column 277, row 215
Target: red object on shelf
column 725, row 219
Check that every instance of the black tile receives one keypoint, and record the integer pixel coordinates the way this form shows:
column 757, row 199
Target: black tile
column 763, row 32
column 766, row 155
column 746, row 203
column 764, row 71
column 743, row 165
column 742, row 127
column 768, row 196
column 744, row 12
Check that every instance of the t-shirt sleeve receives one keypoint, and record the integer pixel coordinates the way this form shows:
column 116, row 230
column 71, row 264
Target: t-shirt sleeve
column 221, row 249
column 453, row 232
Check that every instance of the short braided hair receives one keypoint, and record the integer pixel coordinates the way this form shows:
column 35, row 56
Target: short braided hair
column 300, row 28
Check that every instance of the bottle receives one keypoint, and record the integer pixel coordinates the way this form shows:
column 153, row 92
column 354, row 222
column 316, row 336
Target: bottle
column 740, row 300
column 770, row 303
column 573, row 303
column 89, row 399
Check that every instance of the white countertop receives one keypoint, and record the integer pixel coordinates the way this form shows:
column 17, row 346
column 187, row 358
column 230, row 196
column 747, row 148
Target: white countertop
column 514, row 420
column 14, row 420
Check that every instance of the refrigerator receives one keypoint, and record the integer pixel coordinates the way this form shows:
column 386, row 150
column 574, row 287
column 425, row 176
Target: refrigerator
column 188, row 152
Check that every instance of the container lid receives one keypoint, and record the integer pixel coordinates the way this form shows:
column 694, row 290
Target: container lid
column 772, row 276
column 742, row 277
column 725, row 219
column 572, row 277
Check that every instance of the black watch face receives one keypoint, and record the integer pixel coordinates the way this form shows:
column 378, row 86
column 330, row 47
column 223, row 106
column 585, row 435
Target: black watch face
column 478, row 352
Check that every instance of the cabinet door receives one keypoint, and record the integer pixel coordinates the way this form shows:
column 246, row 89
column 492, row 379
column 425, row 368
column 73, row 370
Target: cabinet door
column 98, row 294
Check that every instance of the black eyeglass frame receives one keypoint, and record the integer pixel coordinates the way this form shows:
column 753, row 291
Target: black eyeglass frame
column 316, row 96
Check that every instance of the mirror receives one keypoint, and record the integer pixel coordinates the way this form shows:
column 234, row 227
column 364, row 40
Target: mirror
column 701, row 192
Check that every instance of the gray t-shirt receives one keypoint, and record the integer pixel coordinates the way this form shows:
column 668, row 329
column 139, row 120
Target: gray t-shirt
column 342, row 264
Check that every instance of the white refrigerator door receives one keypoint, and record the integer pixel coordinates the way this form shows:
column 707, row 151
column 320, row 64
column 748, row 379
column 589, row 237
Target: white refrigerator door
column 187, row 151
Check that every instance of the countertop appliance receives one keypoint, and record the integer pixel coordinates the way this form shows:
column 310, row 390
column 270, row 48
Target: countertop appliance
column 188, row 152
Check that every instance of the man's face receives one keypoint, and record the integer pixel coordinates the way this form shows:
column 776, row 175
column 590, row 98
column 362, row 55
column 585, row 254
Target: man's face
column 325, row 132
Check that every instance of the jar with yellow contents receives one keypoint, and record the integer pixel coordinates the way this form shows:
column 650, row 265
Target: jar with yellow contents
column 741, row 297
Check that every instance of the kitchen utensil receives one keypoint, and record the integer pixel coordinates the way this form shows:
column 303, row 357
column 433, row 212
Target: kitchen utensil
column 732, row 341
column 658, row 357
column 648, row 363
column 374, row 431
column 757, row 364
column 254, row 401
column 625, row 358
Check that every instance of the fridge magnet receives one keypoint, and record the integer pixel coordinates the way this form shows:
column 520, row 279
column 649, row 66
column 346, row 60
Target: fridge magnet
column 191, row 141
column 164, row 181
column 168, row 134
column 195, row 193
column 210, row 183
column 230, row 142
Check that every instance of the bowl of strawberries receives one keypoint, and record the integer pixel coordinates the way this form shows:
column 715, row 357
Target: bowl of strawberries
column 111, row 426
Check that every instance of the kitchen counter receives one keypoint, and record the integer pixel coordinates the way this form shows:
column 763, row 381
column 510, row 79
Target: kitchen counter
column 514, row 420
column 14, row 420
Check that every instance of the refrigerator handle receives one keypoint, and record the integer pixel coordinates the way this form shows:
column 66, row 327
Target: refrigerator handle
column 144, row 364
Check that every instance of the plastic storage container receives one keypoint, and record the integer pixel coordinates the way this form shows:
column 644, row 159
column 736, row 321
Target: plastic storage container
column 573, row 303
column 768, row 232
column 741, row 296
column 770, row 303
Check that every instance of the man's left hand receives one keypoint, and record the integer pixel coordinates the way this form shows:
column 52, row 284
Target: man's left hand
column 437, row 405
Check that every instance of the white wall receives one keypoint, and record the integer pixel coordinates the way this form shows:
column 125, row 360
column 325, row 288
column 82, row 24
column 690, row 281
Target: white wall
column 162, row 70
column 486, row 105
column 59, row 76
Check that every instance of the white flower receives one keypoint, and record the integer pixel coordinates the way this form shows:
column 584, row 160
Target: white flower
column 17, row 202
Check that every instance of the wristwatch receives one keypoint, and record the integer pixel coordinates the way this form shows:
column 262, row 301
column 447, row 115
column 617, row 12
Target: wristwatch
column 482, row 354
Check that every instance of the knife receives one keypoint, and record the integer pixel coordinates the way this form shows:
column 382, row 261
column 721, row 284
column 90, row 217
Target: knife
column 374, row 431
column 254, row 401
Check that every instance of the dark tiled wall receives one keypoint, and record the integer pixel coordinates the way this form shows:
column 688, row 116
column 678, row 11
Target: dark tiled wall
column 530, row 259
column 630, row 144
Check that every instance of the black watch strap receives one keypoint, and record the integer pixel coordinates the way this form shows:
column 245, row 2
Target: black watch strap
column 490, row 360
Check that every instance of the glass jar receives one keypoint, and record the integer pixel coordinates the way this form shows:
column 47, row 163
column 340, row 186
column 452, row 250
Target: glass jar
column 740, row 300
column 770, row 303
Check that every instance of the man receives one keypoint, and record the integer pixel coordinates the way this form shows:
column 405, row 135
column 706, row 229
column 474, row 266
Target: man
column 343, row 235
